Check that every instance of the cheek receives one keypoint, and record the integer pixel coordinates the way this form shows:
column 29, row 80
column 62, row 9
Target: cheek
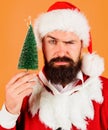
column 75, row 53
column 47, row 53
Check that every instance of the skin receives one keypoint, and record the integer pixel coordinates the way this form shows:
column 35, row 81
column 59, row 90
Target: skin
column 59, row 44
column 17, row 88
column 55, row 44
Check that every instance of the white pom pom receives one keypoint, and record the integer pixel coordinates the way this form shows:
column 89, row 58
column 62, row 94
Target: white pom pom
column 92, row 64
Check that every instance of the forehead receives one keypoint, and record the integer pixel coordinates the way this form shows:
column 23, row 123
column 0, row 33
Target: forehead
column 62, row 35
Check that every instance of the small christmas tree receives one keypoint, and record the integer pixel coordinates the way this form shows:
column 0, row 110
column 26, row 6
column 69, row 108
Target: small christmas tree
column 29, row 55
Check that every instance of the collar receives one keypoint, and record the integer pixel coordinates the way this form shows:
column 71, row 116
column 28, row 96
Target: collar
column 57, row 108
column 57, row 88
column 71, row 85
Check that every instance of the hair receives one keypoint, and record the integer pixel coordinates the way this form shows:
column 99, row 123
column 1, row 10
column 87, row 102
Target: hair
column 62, row 74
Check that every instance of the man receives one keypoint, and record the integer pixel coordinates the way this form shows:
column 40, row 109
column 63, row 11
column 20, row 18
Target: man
column 69, row 93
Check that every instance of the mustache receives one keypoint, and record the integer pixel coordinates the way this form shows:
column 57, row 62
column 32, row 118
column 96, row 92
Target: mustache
column 64, row 59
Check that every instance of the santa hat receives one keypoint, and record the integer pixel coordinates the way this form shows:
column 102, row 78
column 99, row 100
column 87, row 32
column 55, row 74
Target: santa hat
column 67, row 17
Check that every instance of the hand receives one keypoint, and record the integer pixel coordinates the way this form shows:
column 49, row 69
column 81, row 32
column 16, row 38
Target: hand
column 18, row 87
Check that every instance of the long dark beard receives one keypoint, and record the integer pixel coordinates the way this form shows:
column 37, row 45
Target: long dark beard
column 62, row 74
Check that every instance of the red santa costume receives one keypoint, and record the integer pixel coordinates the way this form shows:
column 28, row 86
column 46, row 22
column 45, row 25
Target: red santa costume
column 82, row 105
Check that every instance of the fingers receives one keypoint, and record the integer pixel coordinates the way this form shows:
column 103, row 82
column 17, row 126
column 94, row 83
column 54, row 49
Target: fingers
column 20, row 79
column 16, row 77
column 24, row 87
column 25, row 79
column 19, row 86
column 20, row 83
column 25, row 93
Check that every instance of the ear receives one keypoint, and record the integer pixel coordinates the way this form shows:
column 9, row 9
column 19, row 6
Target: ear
column 82, row 49
column 43, row 48
column 81, row 45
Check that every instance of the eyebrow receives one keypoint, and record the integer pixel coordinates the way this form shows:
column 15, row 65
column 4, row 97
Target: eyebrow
column 49, row 36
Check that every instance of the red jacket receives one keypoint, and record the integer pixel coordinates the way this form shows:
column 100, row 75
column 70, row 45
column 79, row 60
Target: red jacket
column 99, row 122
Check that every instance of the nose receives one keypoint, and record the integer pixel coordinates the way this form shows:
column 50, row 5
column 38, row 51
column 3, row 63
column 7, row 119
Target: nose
column 61, row 49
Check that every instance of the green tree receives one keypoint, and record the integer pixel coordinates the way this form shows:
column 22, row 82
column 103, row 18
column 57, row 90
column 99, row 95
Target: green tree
column 29, row 55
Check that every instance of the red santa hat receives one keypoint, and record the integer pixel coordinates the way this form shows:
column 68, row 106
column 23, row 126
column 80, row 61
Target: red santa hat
column 67, row 17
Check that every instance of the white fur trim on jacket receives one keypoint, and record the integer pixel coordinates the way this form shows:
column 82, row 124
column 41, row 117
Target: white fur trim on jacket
column 34, row 100
column 66, row 20
column 62, row 110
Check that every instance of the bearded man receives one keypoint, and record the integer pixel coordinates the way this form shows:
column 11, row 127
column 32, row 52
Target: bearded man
column 69, row 93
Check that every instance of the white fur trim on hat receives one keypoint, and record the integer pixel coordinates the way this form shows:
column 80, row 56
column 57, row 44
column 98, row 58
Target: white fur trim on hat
column 62, row 19
column 92, row 64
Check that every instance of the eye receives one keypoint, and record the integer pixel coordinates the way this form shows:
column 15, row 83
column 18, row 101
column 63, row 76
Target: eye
column 52, row 41
column 70, row 42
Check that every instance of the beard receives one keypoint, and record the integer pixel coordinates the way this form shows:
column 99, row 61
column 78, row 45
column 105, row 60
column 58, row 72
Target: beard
column 62, row 74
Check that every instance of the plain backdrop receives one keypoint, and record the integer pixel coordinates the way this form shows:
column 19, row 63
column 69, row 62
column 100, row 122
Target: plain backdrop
column 13, row 29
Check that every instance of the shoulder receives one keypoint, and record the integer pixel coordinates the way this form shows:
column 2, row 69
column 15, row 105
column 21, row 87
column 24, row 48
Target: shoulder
column 104, row 78
column 104, row 82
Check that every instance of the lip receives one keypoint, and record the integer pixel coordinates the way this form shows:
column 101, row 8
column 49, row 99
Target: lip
column 61, row 63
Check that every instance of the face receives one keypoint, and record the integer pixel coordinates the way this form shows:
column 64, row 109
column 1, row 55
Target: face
column 60, row 44
column 62, row 52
